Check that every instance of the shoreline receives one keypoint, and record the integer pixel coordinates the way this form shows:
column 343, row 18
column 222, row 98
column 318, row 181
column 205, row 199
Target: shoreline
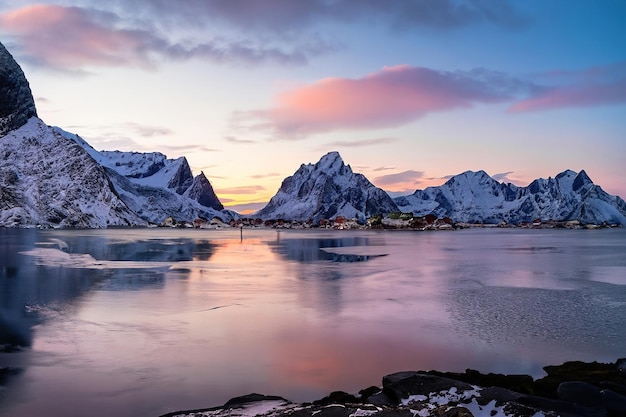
column 572, row 389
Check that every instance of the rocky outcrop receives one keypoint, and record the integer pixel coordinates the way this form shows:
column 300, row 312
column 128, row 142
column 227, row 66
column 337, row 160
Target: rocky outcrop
column 16, row 100
column 436, row 394
column 326, row 190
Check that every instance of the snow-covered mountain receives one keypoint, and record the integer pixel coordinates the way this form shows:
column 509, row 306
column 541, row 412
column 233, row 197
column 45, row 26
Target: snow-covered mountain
column 47, row 180
column 156, row 187
column 475, row 197
column 52, row 178
column 324, row 191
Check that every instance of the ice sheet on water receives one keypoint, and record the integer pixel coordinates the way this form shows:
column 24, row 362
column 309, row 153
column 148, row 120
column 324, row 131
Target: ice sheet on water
column 53, row 257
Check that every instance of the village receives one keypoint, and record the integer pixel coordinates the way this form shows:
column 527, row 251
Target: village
column 392, row 221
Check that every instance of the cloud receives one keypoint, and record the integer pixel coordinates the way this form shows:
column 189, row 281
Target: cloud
column 400, row 182
column 383, row 169
column 148, row 131
column 269, row 175
column 246, row 208
column 187, row 149
column 278, row 16
column 249, row 189
column 71, row 38
column 503, row 176
column 233, row 139
column 596, row 86
column 574, row 96
column 393, row 96
column 359, row 143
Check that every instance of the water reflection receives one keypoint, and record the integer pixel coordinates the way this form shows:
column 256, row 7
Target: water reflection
column 156, row 320
column 68, row 265
column 313, row 249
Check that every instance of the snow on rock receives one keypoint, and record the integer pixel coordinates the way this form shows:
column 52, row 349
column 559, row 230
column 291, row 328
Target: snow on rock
column 156, row 187
column 326, row 190
column 475, row 197
column 49, row 181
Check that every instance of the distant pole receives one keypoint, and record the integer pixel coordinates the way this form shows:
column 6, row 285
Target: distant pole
column 241, row 233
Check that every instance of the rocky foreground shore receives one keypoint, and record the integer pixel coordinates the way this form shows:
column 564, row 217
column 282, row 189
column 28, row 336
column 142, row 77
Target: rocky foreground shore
column 574, row 389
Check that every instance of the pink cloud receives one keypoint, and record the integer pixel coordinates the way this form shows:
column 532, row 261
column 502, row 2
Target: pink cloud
column 69, row 37
column 390, row 97
column 401, row 181
column 574, row 96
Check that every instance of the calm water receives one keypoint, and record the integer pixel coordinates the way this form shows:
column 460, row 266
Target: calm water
column 143, row 322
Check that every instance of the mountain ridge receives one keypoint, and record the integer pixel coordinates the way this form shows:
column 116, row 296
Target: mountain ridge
column 475, row 197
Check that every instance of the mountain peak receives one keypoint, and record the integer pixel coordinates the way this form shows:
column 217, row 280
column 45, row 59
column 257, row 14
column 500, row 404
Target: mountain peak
column 581, row 180
column 327, row 190
column 16, row 100
column 331, row 163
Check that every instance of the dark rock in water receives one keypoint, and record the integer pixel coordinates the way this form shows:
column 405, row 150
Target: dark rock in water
column 561, row 408
column 337, row 397
column 518, row 383
column 615, row 403
column 380, row 399
column 599, row 374
column 581, row 393
column 368, row 392
column 16, row 100
column 621, row 366
column 251, row 398
column 433, row 395
column 402, row 385
column 497, row 394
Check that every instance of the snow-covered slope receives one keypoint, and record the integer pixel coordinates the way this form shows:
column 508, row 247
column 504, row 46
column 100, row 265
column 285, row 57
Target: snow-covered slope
column 324, row 191
column 475, row 197
column 156, row 187
column 47, row 180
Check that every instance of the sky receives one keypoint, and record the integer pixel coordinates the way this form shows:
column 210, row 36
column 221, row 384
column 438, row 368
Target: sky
column 410, row 92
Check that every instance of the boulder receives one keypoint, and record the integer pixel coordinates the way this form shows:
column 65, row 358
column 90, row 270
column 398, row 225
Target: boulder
column 581, row 393
column 402, row 385
column 615, row 403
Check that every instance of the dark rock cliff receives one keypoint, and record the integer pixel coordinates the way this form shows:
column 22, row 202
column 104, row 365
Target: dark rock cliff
column 16, row 100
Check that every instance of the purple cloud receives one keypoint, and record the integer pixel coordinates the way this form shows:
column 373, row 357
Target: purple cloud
column 401, row 181
column 71, row 38
column 287, row 15
column 597, row 86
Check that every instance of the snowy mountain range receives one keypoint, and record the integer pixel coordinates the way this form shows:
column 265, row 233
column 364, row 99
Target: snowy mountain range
column 475, row 197
column 324, row 191
column 53, row 178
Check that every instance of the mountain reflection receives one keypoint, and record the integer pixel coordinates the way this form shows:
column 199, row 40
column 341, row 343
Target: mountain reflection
column 308, row 250
column 30, row 291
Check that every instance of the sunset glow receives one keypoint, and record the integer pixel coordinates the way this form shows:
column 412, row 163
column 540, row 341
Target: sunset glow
column 409, row 93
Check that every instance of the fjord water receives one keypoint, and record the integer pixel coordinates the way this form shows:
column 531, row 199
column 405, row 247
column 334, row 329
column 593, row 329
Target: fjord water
column 147, row 321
